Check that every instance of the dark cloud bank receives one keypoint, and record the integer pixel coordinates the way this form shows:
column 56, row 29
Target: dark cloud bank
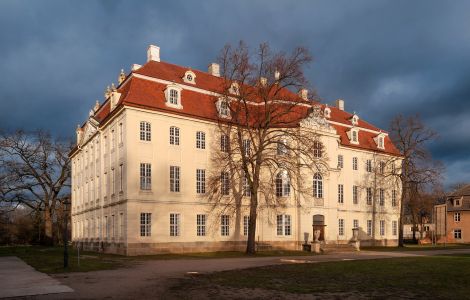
column 382, row 57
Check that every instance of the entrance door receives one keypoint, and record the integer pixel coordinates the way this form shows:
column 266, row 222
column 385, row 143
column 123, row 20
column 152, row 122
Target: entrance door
column 319, row 223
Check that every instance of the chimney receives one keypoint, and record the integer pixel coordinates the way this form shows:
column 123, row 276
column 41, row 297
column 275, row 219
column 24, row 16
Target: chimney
column 340, row 104
column 214, row 69
column 303, row 93
column 263, row 81
column 153, row 53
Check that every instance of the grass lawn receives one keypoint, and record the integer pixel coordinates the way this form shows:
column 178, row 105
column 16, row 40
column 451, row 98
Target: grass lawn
column 434, row 277
column 50, row 259
column 416, row 247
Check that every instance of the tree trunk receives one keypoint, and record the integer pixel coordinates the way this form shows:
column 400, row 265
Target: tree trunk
column 48, row 235
column 251, row 243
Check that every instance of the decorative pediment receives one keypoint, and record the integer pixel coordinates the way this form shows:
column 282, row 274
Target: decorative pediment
column 316, row 120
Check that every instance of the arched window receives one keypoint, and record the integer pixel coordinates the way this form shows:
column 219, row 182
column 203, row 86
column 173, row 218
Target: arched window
column 317, row 149
column 282, row 184
column 174, row 135
column 317, row 186
column 282, row 147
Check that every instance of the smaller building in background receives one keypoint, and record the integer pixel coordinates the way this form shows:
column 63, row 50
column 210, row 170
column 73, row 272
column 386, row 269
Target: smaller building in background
column 453, row 217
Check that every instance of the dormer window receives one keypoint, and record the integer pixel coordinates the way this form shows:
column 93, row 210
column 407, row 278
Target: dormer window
column 380, row 141
column 353, row 135
column 457, row 202
column 355, row 120
column 223, row 108
column 327, row 112
column 173, row 96
column 234, row 88
column 189, row 77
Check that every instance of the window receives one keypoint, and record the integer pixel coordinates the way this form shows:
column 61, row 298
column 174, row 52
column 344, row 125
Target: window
column 382, row 227
column 224, row 183
column 145, row 224
column 355, row 223
column 145, row 131
column 340, row 162
column 120, row 133
column 354, row 163
column 457, row 234
column 200, row 140
column 381, row 197
column 246, row 225
column 201, row 225
column 174, row 224
column 173, row 97
column 113, row 182
column 200, row 181
column 113, row 139
column 317, row 149
column 341, row 227
column 457, row 217
column 354, row 136
column 317, row 186
column 224, row 143
column 394, row 228
column 121, row 174
column 224, row 225
column 246, row 147
column 145, row 176
column 113, row 226
column 121, row 225
column 382, row 167
column 224, row 110
column 369, row 227
column 457, row 202
column 282, row 184
column 108, row 226
column 380, row 142
column 355, row 194
column 174, row 179
column 394, row 198
column 246, row 187
column 283, row 225
column 369, row 196
column 174, row 135
column 369, row 165
column 340, row 193
column 282, row 147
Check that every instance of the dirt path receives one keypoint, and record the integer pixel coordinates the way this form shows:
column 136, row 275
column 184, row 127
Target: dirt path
column 153, row 279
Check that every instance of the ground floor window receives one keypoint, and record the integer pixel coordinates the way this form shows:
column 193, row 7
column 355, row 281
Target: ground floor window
column 145, row 224
column 283, row 225
column 369, row 227
column 341, row 227
column 355, row 223
column 225, row 225
column 246, row 224
column 201, row 225
column 174, row 224
column 457, row 234
column 394, row 228
column 382, row 227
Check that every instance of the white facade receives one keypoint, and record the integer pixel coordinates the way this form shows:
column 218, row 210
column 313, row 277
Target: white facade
column 117, row 207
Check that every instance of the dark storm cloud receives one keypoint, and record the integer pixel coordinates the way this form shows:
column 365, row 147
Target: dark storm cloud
column 382, row 57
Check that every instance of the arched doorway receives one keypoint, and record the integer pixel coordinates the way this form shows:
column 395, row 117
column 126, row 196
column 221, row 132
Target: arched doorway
column 319, row 223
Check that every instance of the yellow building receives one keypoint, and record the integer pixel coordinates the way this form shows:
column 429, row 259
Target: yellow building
column 140, row 164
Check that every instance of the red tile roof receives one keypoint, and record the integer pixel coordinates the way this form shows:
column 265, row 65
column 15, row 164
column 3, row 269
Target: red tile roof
column 149, row 94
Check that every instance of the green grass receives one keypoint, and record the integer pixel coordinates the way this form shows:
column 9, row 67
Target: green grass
column 414, row 247
column 434, row 277
column 50, row 259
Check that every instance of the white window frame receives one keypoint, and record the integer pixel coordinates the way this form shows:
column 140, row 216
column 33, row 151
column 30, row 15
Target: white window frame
column 355, row 194
column 457, row 217
column 340, row 161
column 458, row 234
column 282, row 184
column 340, row 193
column 145, row 176
column 283, row 225
column 369, row 227
column 224, row 225
column 175, row 175
column 394, row 198
column 246, row 187
column 174, row 135
column 200, row 140
column 145, row 131
column 341, row 227
column 355, row 223
column 369, row 166
column 381, row 197
column 355, row 164
column 317, row 186
column 145, row 224
column 394, row 228
column 200, row 181
column 225, row 183
column 317, row 149
column 224, row 143
column 246, row 225
column 369, row 196
column 171, row 100
column 223, row 108
column 382, row 227
column 201, row 224
column 175, row 223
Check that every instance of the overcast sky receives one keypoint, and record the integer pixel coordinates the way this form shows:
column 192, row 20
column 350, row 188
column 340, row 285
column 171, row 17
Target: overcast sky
column 382, row 57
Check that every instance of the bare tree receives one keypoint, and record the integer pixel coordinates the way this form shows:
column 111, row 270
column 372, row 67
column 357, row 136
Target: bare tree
column 419, row 172
column 264, row 154
column 35, row 172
